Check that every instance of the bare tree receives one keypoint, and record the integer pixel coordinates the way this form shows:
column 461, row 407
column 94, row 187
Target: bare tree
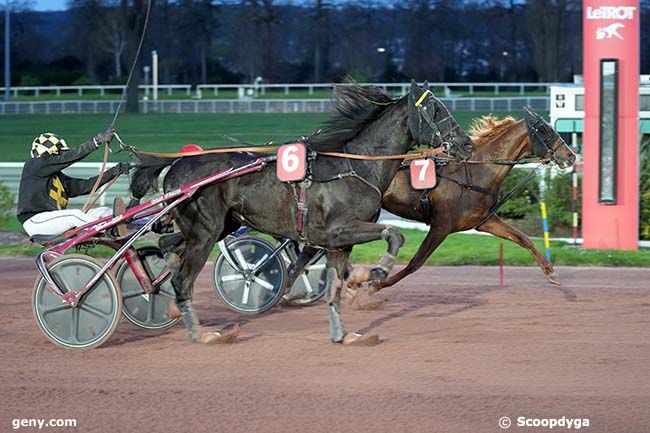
column 552, row 36
column 134, row 13
column 319, row 29
column 87, row 16
column 113, row 38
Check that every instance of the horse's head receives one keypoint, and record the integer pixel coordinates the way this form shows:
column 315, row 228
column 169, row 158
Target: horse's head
column 431, row 124
column 546, row 142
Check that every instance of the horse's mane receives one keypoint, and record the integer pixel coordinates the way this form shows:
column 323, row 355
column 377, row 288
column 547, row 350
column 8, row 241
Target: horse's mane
column 356, row 106
column 485, row 128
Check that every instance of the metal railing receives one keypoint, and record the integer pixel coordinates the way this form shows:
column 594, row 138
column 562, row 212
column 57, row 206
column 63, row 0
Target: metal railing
column 102, row 90
column 286, row 88
column 395, row 88
column 252, row 105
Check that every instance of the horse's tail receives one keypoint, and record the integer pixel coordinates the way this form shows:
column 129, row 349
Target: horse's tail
column 145, row 177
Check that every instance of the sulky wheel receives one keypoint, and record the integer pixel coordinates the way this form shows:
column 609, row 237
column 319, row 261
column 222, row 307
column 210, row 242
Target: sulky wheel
column 148, row 311
column 242, row 289
column 311, row 282
column 97, row 313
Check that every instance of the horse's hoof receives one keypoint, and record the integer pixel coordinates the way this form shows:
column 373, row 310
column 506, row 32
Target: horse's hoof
column 225, row 337
column 375, row 286
column 354, row 339
column 351, row 294
column 554, row 279
column 285, row 302
column 378, row 274
column 359, row 274
column 172, row 311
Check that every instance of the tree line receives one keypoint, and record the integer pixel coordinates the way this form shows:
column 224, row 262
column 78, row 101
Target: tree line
column 206, row 41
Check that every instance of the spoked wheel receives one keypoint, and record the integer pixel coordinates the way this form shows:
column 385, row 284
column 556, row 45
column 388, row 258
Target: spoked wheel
column 311, row 282
column 244, row 290
column 97, row 313
column 148, row 311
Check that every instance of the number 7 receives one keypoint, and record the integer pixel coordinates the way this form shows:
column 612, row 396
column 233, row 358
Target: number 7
column 424, row 164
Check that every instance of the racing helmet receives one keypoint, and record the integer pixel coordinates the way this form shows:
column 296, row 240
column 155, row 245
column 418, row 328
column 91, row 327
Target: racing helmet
column 190, row 148
column 48, row 143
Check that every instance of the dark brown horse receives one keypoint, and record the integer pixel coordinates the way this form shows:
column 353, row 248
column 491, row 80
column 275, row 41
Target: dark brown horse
column 456, row 204
column 343, row 197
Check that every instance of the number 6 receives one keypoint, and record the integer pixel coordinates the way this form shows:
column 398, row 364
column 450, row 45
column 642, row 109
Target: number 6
column 292, row 164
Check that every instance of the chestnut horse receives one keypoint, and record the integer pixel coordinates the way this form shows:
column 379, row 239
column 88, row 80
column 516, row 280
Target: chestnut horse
column 467, row 191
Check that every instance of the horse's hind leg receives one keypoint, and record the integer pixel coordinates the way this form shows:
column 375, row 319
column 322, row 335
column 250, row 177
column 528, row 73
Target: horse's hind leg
column 199, row 241
column 336, row 272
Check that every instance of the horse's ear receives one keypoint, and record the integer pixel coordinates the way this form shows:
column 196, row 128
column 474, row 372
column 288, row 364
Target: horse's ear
column 425, row 85
column 415, row 91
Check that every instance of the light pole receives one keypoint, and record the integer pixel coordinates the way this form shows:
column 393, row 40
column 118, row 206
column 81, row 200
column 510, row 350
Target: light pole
column 7, row 56
column 154, row 73
column 146, row 69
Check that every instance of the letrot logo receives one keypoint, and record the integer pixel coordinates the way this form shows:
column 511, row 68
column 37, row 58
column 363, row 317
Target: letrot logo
column 609, row 31
column 611, row 13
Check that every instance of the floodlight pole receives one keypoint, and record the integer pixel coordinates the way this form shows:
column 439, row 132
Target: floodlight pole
column 7, row 56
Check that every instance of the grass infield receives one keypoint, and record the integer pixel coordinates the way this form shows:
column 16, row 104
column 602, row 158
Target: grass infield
column 165, row 132
column 168, row 132
column 458, row 249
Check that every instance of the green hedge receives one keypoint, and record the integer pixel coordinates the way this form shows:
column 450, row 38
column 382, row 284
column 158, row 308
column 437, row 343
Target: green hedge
column 526, row 203
column 644, row 184
column 6, row 203
column 559, row 196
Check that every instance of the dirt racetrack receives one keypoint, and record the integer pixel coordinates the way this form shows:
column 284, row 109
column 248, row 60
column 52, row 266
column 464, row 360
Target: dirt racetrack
column 459, row 352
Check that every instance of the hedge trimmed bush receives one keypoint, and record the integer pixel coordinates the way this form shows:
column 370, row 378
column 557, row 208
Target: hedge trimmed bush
column 644, row 186
column 526, row 203
column 6, row 203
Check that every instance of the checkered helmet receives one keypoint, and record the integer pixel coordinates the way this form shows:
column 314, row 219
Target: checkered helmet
column 48, row 143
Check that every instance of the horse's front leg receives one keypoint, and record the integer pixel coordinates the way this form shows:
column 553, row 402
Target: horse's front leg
column 337, row 262
column 433, row 239
column 362, row 232
column 502, row 229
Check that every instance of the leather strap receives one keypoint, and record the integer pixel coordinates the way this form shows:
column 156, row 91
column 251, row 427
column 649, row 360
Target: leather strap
column 422, row 153
column 302, row 208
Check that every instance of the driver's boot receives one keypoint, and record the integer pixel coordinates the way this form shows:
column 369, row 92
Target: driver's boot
column 119, row 207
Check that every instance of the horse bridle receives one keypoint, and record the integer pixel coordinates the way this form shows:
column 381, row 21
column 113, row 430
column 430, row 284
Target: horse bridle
column 437, row 126
column 543, row 138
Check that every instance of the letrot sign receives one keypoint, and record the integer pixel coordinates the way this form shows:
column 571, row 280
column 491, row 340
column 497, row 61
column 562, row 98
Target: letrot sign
column 610, row 200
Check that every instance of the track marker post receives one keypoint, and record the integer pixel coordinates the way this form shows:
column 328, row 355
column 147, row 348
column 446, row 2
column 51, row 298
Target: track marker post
column 542, row 207
column 501, row 264
column 574, row 180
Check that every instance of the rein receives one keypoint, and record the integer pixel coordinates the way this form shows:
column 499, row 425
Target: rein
column 422, row 153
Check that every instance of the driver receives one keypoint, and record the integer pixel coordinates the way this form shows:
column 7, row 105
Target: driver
column 45, row 189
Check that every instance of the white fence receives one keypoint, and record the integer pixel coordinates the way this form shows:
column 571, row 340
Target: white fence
column 287, row 88
column 252, row 105
column 395, row 88
column 102, row 90
column 10, row 176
